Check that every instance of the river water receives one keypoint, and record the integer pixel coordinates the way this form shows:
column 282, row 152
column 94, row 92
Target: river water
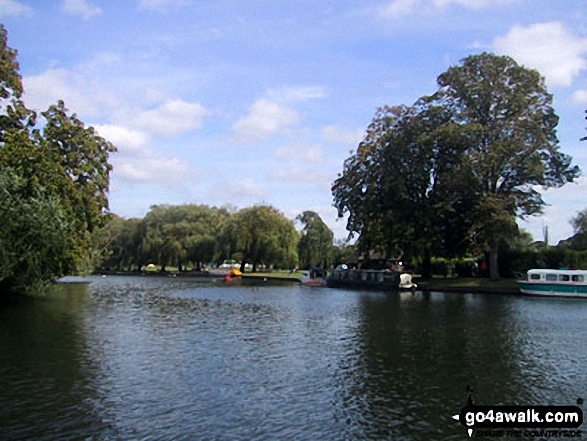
column 175, row 358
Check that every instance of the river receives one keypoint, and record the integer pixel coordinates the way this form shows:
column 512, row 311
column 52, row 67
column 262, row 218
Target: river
column 176, row 358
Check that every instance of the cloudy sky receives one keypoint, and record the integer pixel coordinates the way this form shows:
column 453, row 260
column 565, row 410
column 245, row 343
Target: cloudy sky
column 260, row 101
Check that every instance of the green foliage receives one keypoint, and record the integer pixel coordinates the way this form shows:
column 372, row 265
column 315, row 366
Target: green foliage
column 406, row 187
column 35, row 236
column 579, row 240
column 514, row 262
column 119, row 243
column 262, row 235
column 179, row 235
column 315, row 247
column 451, row 173
column 59, row 166
column 508, row 119
column 80, row 169
column 10, row 79
column 168, row 236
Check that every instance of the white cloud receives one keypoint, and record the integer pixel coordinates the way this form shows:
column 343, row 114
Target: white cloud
column 12, row 7
column 299, row 175
column 399, row 8
column 92, row 98
column 147, row 167
column 295, row 93
column 47, row 88
column 473, row 4
column 81, row 8
column 265, row 118
column 123, row 138
column 80, row 96
column 172, row 118
column 548, row 47
column 307, row 154
column 337, row 134
column 161, row 5
column 234, row 190
column 580, row 96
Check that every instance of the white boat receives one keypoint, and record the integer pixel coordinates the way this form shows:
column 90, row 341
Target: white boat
column 555, row 283
column 405, row 281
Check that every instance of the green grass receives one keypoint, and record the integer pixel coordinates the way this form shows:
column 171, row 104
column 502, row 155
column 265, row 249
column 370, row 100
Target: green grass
column 287, row 274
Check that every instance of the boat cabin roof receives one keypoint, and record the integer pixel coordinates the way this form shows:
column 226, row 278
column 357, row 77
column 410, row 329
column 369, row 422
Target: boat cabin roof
column 558, row 275
column 556, row 271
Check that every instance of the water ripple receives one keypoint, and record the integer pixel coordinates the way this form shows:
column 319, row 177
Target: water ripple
column 155, row 358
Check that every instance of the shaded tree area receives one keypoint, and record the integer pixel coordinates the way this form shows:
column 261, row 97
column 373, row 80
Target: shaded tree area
column 578, row 241
column 315, row 247
column 260, row 235
column 450, row 174
column 54, row 177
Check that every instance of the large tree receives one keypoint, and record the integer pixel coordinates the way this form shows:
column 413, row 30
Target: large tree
column 119, row 243
column 260, row 235
column 505, row 112
column 315, row 247
column 455, row 169
column 56, row 160
column 395, row 186
column 177, row 234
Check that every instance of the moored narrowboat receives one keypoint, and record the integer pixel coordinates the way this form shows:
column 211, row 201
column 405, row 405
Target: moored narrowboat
column 344, row 277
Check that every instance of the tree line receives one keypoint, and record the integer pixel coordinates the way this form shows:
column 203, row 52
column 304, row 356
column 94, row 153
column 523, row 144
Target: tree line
column 197, row 235
column 445, row 177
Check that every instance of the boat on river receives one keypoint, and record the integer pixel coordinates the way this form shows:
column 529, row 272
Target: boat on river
column 314, row 277
column 555, row 283
column 344, row 277
column 405, row 282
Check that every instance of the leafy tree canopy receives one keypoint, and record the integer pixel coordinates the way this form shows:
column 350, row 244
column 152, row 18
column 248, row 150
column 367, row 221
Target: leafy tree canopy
column 262, row 235
column 453, row 171
column 315, row 247
column 57, row 161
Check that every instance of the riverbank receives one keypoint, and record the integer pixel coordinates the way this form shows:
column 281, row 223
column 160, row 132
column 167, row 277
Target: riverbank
column 475, row 285
column 454, row 284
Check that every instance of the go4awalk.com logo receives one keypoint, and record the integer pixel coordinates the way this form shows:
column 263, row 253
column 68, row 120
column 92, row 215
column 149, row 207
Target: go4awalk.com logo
column 521, row 421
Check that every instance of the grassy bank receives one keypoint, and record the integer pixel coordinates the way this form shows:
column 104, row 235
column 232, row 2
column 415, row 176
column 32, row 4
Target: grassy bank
column 468, row 284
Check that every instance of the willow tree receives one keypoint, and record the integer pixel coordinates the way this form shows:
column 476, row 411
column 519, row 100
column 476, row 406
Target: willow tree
column 260, row 235
column 316, row 243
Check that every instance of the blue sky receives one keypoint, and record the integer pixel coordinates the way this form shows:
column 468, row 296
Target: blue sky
column 260, row 101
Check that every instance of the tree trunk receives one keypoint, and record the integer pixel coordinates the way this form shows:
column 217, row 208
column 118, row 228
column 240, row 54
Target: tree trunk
column 427, row 265
column 493, row 260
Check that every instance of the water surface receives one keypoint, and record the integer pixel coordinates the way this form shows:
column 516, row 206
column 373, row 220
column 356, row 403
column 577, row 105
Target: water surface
column 161, row 358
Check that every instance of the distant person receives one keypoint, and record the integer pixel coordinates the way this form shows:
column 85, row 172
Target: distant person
column 483, row 268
